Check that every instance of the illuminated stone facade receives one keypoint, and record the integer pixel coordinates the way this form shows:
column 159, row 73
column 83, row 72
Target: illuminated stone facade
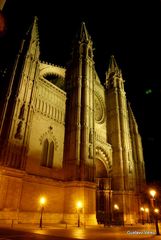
column 67, row 137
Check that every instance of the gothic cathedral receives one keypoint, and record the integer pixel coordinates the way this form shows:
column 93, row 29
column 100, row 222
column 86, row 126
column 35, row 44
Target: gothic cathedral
column 68, row 138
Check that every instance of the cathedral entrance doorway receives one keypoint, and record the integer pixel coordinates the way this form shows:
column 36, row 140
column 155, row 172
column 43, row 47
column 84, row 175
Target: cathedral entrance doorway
column 103, row 194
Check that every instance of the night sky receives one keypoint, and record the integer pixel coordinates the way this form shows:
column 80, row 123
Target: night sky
column 128, row 29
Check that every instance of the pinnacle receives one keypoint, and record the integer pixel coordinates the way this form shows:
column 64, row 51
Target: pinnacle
column 84, row 36
column 113, row 64
column 35, row 28
column 113, row 67
column 113, row 70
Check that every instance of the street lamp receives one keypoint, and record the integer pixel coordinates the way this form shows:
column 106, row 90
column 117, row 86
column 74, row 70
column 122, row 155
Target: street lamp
column 79, row 208
column 116, row 207
column 42, row 203
column 116, row 213
column 156, row 210
column 152, row 194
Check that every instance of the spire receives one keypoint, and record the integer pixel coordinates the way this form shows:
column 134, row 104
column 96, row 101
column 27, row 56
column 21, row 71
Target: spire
column 82, row 44
column 32, row 37
column 34, row 26
column 84, row 36
column 113, row 67
column 113, row 71
column 32, row 31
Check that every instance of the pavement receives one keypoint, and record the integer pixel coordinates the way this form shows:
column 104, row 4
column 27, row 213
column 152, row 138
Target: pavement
column 99, row 232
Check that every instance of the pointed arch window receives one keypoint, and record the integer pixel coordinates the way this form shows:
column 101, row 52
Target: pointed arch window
column 47, row 154
column 51, row 155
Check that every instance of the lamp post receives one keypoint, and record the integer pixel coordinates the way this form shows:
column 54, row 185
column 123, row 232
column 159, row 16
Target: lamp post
column 42, row 203
column 142, row 215
column 79, row 208
column 116, row 211
column 155, row 210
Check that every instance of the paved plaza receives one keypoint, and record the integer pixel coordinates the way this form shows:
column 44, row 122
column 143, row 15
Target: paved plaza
column 58, row 232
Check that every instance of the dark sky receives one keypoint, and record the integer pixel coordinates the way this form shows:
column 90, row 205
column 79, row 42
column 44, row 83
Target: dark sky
column 128, row 29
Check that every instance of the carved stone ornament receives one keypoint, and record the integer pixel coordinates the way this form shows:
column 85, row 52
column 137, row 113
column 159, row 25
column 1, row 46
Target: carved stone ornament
column 49, row 134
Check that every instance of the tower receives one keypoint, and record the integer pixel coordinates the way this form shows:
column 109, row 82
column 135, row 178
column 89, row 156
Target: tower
column 79, row 133
column 124, row 174
column 79, row 140
column 17, row 110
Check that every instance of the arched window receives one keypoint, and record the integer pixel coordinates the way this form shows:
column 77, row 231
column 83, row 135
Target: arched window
column 47, row 154
column 51, row 155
